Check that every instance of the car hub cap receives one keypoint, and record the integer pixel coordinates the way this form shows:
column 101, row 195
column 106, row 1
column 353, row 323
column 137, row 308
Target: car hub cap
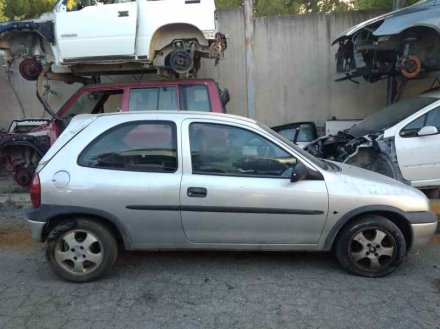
column 372, row 249
column 79, row 252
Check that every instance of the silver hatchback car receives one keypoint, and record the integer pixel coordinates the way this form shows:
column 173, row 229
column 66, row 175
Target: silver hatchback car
column 166, row 180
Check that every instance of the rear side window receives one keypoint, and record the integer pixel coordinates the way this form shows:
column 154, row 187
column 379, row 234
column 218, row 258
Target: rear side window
column 154, row 99
column 195, row 98
column 136, row 146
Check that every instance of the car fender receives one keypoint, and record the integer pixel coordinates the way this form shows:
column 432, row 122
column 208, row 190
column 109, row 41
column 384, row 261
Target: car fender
column 398, row 24
column 397, row 21
column 45, row 213
column 331, row 236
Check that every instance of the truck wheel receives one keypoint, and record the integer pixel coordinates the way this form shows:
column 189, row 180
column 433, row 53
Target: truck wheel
column 82, row 252
column 371, row 246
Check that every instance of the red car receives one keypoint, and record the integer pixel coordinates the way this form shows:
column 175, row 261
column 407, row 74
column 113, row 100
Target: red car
column 27, row 140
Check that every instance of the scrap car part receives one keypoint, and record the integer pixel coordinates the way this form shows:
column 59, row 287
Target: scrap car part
column 30, row 68
column 20, row 155
column 372, row 159
column 411, row 67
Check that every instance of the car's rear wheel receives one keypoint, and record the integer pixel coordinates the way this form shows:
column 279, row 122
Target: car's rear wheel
column 83, row 252
column 371, row 246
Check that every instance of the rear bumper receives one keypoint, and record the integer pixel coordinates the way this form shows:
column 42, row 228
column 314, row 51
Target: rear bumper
column 36, row 229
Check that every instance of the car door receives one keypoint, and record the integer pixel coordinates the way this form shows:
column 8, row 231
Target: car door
column 236, row 189
column 419, row 156
column 96, row 30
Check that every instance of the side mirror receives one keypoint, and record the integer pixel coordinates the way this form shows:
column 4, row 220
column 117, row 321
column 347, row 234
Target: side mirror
column 299, row 173
column 225, row 97
column 427, row 131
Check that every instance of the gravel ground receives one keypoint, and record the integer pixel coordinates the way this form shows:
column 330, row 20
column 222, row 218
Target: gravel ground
column 212, row 290
column 8, row 185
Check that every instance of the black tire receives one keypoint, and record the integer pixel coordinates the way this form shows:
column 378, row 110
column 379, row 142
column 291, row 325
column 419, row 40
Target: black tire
column 85, row 243
column 359, row 252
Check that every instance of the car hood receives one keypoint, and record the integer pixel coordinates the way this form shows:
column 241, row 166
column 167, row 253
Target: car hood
column 400, row 12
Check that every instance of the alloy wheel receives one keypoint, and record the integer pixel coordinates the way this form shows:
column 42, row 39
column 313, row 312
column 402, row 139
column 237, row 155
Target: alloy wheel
column 372, row 249
column 79, row 252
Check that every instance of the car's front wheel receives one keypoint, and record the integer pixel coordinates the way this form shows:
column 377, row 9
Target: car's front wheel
column 82, row 250
column 370, row 246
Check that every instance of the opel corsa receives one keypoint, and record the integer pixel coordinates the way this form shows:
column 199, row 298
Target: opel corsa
column 173, row 181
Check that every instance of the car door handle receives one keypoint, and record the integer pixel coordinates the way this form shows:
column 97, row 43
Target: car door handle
column 123, row 13
column 197, row 192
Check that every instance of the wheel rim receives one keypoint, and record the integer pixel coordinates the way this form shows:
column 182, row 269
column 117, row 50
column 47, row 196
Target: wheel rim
column 79, row 252
column 372, row 249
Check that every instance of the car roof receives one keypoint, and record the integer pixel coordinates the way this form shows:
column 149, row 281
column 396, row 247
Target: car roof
column 178, row 114
column 156, row 83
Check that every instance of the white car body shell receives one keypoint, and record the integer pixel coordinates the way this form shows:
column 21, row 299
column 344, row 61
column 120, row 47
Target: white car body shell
column 123, row 31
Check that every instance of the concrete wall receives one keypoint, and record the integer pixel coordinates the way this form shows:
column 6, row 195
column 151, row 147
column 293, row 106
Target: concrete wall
column 18, row 98
column 294, row 65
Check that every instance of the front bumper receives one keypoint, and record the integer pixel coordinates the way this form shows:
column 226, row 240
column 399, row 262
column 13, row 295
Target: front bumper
column 422, row 233
column 36, row 229
column 423, row 225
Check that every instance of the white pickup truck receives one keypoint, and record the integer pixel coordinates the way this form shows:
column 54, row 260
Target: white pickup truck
column 115, row 35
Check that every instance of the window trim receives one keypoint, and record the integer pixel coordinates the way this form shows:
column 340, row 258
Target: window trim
column 173, row 126
column 235, row 175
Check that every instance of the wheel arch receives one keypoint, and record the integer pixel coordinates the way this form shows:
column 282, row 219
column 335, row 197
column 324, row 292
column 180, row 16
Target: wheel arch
column 16, row 37
column 23, row 143
column 395, row 215
column 57, row 215
column 420, row 29
column 164, row 35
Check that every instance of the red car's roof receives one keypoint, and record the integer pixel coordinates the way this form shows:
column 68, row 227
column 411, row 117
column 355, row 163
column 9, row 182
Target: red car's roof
column 149, row 83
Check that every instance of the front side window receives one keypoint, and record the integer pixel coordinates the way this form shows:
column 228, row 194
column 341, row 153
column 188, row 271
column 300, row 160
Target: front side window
column 432, row 118
column 74, row 5
column 227, row 150
column 137, row 146
column 154, row 99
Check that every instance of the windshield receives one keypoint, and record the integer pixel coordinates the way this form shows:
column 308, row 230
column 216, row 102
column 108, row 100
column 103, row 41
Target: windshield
column 321, row 164
column 389, row 116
